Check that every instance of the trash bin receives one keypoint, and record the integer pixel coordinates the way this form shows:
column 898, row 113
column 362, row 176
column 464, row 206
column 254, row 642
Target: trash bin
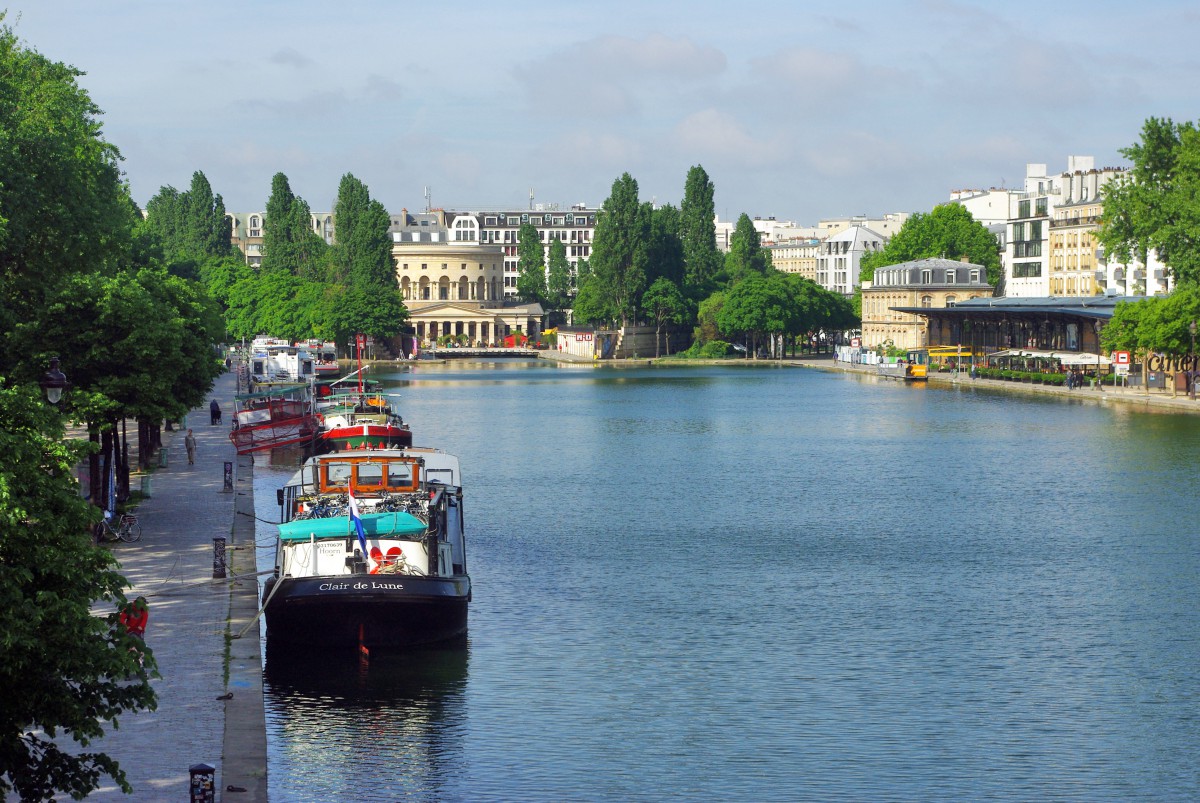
column 203, row 783
column 146, row 486
column 162, row 457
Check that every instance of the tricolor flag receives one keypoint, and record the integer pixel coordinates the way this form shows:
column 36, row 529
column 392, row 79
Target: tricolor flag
column 357, row 519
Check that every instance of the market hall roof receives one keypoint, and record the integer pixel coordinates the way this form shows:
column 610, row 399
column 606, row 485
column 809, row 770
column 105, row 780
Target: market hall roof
column 1095, row 307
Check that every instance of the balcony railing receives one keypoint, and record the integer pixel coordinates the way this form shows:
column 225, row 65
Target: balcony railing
column 1077, row 220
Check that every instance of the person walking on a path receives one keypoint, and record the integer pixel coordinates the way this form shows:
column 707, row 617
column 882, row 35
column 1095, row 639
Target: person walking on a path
column 189, row 443
column 134, row 619
column 214, row 412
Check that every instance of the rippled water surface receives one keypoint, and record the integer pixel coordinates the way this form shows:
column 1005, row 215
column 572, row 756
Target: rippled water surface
column 777, row 584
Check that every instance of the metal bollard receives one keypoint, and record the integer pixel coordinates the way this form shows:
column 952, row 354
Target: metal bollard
column 202, row 782
column 228, row 477
column 218, row 558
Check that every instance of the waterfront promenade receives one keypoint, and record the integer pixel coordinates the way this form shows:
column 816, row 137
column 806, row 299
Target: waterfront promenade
column 192, row 616
column 1155, row 400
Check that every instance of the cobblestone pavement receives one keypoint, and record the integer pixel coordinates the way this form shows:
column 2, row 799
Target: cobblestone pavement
column 190, row 616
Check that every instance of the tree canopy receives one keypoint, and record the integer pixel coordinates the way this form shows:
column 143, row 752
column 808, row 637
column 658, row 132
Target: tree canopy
column 698, row 233
column 531, row 265
column 948, row 231
column 1155, row 206
column 620, row 247
column 746, row 255
column 72, row 283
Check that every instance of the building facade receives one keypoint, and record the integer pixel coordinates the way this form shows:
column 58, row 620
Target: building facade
column 453, row 282
column 922, row 283
column 840, row 256
column 246, row 232
column 575, row 227
column 795, row 256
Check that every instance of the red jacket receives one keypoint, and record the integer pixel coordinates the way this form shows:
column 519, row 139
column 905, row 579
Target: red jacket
column 135, row 620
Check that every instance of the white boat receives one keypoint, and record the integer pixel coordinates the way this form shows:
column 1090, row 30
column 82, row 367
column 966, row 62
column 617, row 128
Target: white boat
column 274, row 361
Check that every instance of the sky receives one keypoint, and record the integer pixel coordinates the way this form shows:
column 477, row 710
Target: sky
column 800, row 111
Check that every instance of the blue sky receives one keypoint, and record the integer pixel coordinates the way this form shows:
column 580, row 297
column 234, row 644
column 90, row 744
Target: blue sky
column 796, row 110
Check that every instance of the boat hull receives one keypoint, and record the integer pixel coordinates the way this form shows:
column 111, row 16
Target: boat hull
column 359, row 436
column 374, row 610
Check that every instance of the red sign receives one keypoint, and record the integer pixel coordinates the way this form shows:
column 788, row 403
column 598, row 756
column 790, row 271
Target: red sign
column 361, row 340
column 1120, row 357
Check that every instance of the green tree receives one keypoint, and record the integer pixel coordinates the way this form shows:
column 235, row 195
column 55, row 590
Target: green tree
column 68, row 672
column 664, row 305
column 1155, row 207
column 191, row 226
column 63, row 208
column 592, row 305
column 362, row 253
column 559, row 287
column 698, row 234
column 289, row 243
column 948, row 231
column 531, row 265
column 1154, row 325
column 746, row 255
column 665, row 255
column 620, row 248
column 707, row 328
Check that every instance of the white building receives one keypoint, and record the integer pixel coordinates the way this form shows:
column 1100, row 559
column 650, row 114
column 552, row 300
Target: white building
column 840, row 256
column 989, row 207
column 1025, row 270
column 887, row 226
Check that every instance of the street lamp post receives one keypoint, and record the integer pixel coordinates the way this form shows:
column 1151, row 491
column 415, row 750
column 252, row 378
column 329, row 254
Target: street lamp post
column 1099, row 382
column 54, row 382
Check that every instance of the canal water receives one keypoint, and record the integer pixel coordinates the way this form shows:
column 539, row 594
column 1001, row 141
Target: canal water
column 776, row 584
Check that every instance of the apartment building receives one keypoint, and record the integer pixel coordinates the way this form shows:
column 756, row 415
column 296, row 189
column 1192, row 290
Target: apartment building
column 576, row 227
column 1026, row 273
column 925, row 283
column 795, row 256
column 840, row 256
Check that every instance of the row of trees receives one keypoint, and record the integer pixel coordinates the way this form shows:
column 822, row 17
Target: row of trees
column 1154, row 209
column 304, row 286
column 81, row 277
column 662, row 266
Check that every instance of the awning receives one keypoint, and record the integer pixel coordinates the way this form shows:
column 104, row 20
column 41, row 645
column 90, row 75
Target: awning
column 1065, row 357
column 1083, row 358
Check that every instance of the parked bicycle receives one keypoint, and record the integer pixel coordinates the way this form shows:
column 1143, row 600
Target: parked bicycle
column 125, row 528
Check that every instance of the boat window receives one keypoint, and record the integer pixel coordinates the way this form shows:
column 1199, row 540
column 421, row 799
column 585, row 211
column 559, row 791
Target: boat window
column 369, row 474
column 337, row 474
column 401, row 475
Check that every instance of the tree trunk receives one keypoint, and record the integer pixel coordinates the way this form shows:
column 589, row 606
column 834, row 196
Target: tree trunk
column 94, row 495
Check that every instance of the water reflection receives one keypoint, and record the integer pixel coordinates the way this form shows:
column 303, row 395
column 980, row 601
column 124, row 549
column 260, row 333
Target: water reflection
column 395, row 720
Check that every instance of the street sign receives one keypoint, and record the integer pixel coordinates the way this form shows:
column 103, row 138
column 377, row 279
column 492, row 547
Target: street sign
column 1120, row 357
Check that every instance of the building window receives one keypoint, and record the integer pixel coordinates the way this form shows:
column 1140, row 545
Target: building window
column 951, row 277
column 926, row 301
column 424, row 266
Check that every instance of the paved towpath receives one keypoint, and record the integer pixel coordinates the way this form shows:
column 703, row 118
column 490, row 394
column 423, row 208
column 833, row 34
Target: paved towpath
column 1155, row 399
column 190, row 616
